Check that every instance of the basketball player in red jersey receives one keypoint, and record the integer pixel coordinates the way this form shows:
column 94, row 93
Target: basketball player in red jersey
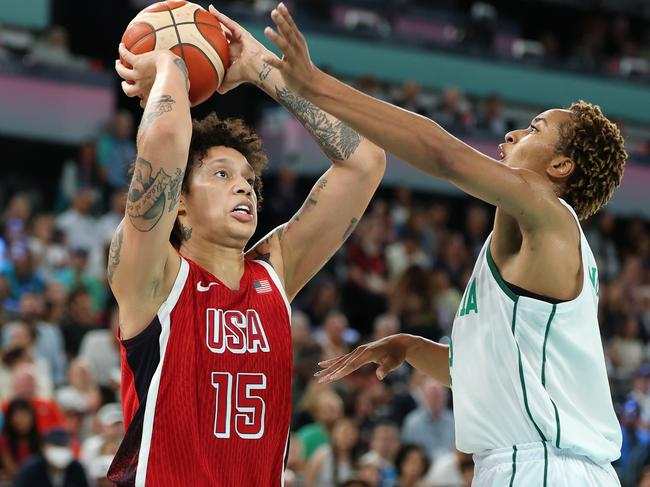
column 205, row 327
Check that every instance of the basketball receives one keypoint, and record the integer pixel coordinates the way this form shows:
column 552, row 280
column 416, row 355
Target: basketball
column 191, row 33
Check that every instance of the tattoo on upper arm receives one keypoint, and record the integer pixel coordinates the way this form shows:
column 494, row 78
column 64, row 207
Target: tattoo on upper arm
column 312, row 199
column 114, row 253
column 263, row 74
column 181, row 65
column 154, row 109
column 149, row 192
column 350, row 229
column 337, row 140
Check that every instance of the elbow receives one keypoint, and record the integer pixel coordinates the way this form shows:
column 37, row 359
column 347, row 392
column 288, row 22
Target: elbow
column 374, row 165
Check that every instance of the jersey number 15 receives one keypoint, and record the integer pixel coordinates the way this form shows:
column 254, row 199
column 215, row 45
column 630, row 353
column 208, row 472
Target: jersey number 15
column 249, row 407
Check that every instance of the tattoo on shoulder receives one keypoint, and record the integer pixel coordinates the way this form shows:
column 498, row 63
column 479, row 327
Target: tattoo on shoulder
column 149, row 192
column 183, row 67
column 155, row 108
column 337, row 140
column 114, row 254
column 350, row 229
column 263, row 74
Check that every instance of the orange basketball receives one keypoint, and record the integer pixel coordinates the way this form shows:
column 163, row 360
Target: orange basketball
column 190, row 32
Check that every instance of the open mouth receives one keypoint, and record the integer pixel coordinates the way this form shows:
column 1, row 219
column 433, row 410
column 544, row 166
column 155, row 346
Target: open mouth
column 245, row 209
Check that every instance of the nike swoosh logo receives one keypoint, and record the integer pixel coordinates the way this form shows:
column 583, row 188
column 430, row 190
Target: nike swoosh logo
column 201, row 288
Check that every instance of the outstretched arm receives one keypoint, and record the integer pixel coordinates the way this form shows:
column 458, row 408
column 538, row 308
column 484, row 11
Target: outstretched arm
column 389, row 353
column 341, row 195
column 411, row 137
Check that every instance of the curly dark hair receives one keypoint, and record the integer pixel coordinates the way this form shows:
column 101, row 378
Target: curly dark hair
column 211, row 132
column 596, row 146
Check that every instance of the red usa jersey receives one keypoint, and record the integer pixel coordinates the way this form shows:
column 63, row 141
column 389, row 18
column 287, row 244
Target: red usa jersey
column 206, row 387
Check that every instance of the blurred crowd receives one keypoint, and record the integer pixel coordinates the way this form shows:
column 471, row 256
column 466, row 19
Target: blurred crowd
column 403, row 270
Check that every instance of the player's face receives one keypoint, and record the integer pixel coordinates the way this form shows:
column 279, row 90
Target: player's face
column 221, row 204
column 535, row 146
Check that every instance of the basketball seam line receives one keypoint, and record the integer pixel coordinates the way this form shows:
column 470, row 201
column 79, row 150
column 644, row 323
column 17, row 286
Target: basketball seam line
column 178, row 34
column 223, row 63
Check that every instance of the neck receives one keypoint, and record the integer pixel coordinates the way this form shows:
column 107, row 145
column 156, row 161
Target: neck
column 224, row 262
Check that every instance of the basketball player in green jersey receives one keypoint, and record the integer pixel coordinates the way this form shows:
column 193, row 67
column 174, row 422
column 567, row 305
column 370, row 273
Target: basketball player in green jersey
column 531, row 396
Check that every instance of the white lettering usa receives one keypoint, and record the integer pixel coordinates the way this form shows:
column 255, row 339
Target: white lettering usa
column 235, row 331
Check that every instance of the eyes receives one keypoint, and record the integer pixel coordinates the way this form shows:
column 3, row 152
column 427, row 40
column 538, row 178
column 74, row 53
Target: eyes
column 533, row 129
column 223, row 174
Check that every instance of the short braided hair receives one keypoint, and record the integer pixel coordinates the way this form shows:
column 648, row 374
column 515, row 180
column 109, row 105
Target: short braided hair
column 596, row 146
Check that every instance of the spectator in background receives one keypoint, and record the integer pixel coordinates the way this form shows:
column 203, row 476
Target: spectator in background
column 411, row 98
column 76, row 275
column 411, row 464
column 81, row 319
column 48, row 414
column 454, row 259
column 333, row 340
column 454, row 112
column 295, row 467
column 111, row 429
column 405, row 253
column 55, row 467
column 327, row 408
column 635, row 447
column 82, row 381
column 20, row 273
column 22, row 336
column 53, row 49
column 20, row 438
column 411, row 300
column 431, row 425
column 16, row 216
column 401, row 206
column 108, row 222
column 626, row 350
column 100, row 349
column 363, row 294
column 323, row 299
column 384, row 445
column 82, row 173
column 116, row 151
column 336, row 462
column 78, row 224
column 490, row 118
column 49, row 339
column 453, row 469
column 46, row 245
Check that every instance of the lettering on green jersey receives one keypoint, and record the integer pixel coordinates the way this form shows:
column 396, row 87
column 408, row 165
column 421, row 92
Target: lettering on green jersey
column 593, row 277
column 470, row 303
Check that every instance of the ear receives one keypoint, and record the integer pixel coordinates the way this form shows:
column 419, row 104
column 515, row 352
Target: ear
column 181, row 206
column 560, row 168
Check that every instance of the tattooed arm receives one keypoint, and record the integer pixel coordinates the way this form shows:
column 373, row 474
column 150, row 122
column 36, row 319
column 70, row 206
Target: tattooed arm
column 338, row 199
column 142, row 263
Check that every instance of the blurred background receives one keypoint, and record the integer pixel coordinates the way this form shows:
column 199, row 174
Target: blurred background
column 479, row 68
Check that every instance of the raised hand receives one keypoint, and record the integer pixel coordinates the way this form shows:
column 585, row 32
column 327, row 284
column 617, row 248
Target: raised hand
column 139, row 70
column 245, row 53
column 296, row 66
column 389, row 353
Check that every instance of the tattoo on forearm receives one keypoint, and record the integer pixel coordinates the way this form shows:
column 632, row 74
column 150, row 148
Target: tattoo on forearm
column 149, row 192
column 114, row 253
column 264, row 73
column 350, row 229
column 155, row 108
column 187, row 232
column 337, row 140
column 181, row 65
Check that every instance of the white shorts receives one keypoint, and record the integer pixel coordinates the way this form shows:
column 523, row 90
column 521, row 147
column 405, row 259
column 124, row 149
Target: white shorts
column 532, row 465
